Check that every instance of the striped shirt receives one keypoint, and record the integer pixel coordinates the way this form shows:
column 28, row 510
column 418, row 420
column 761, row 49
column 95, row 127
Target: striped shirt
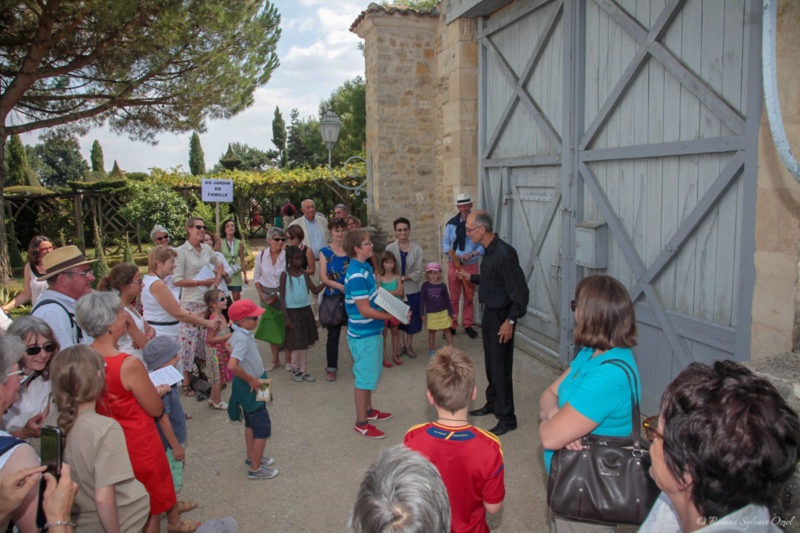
column 359, row 284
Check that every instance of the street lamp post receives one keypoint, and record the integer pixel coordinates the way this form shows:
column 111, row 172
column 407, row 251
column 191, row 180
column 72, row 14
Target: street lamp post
column 329, row 127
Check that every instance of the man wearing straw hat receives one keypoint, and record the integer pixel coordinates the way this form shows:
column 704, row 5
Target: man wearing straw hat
column 69, row 277
column 467, row 253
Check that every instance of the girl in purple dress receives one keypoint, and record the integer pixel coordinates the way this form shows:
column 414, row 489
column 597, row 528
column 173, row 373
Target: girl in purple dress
column 435, row 307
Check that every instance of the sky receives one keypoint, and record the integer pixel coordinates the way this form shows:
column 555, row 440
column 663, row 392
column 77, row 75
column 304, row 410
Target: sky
column 317, row 54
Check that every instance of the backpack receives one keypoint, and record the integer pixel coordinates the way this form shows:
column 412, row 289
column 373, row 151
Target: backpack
column 72, row 323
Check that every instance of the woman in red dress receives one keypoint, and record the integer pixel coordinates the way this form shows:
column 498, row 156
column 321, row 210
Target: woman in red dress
column 131, row 399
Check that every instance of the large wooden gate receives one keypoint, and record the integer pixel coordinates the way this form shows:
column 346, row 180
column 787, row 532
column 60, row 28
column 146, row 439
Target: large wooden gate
column 641, row 116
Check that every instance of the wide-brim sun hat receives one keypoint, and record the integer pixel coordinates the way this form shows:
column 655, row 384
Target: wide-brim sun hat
column 244, row 308
column 463, row 199
column 62, row 259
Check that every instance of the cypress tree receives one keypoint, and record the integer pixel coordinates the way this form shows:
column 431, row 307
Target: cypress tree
column 97, row 157
column 197, row 163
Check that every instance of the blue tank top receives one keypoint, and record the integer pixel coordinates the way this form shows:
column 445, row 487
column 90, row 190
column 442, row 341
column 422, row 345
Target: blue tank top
column 296, row 292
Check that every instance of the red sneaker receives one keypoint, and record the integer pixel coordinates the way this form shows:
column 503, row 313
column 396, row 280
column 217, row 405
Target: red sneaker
column 378, row 416
column 370, row 431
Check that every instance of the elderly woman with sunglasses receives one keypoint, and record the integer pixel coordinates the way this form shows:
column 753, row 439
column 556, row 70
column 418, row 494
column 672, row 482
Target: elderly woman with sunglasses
column 19, row 464
column 592, row 397
column 24, row 419
column 193, row 255
column 724, row 444
column 270, row 264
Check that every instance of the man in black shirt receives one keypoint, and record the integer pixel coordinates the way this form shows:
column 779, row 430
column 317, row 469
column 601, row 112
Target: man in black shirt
column 503, row 292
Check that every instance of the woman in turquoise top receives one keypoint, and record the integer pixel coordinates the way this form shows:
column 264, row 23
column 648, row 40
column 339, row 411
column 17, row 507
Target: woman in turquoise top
column 232, row 248
column 591, row 397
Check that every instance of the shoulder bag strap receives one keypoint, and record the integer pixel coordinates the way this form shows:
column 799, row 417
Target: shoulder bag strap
column 72, row 323
column 635, row 416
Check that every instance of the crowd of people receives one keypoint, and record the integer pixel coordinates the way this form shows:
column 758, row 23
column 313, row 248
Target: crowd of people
column 83, row 361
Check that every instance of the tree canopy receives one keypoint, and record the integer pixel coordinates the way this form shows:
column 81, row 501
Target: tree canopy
column 97, row 157
column 247, row 158
column 61, row 160
column 349, row 102
column 279, row 135
column 142, row 66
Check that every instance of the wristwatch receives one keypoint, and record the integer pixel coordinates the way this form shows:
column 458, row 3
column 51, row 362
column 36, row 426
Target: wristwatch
column 511, row 321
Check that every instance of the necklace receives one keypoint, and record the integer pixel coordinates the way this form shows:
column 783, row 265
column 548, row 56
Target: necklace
column 452, row 419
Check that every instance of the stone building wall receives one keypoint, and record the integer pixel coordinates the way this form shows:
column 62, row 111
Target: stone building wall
column 775, row 299
column 421, row 117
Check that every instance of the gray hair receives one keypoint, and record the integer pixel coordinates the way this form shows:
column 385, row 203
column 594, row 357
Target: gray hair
column 158, row 228
column 97, row 311
column 27, row 325
column 401, row 493
column 11, row 351
column 341, row 206
column 275, row 232
column 482, row 219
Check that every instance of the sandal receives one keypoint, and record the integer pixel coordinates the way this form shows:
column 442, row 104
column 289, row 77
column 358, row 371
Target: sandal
column 185, row 507
column 220, row 406
column 387, row 364
column 183, row 526
column 188, row 391
column 411, row 353
column 397, row 360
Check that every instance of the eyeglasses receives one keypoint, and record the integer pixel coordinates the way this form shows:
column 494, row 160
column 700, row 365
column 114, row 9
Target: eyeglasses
column 251, row 318
column 163, row 238
column 50, row 347
column 650, row 431
column 85, row 274
column 279, row 239
column 199, row 227
column 573, row 305
column 136, row 282
column 222, row 299
column 369, row 243
column 473, row 228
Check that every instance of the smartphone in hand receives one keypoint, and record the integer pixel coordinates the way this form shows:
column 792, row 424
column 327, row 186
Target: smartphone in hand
column 52, row 450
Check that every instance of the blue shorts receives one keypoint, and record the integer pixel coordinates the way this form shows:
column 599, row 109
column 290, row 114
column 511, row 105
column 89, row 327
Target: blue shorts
column 367, row 355
column 258, row 421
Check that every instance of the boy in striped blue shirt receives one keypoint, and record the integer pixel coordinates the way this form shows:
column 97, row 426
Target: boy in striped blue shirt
column 364, row 330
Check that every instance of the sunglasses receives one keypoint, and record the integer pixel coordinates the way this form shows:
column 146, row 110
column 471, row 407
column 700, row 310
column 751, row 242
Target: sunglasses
column 222, row 299
column 199, row 227
column 163, row 238
column 573, row 305
column 251, row 318
column 650, row 431
column 50, row 347
column 279, row 239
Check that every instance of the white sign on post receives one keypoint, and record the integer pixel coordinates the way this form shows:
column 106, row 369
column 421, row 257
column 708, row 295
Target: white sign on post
column 217, row 190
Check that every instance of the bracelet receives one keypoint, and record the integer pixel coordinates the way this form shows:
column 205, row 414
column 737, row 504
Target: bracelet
column 59, row 523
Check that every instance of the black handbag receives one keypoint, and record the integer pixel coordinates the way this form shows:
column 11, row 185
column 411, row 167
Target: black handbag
column 608, row 482
column 331, row 310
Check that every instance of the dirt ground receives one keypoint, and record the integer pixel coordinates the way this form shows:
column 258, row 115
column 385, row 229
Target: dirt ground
column 322, row 459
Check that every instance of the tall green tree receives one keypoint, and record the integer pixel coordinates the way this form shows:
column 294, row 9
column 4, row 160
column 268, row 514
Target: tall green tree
column 279, row 134
column 197, row 161
column 61, row 160
column 143, row 66
column 349, row 102
column 304, row 144
column 97, row 157
column 19, row 173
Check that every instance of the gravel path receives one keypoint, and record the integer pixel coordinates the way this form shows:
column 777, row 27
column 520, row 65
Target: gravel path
column 322, row 459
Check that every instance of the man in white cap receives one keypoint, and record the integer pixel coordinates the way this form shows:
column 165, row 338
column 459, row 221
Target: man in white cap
column 467, row 253
column 69, row 277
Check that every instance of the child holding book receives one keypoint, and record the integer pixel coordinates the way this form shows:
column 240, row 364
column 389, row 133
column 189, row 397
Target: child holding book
column 217, row 352
column 469, row 459
column 301, row 328
column 160, row 352
column 390, row 279
column 247, row 367
column 109, row 496
column 435, row 307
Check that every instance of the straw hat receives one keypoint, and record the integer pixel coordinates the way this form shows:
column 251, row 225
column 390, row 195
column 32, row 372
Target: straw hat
column 463, row 199
column 62, row 259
